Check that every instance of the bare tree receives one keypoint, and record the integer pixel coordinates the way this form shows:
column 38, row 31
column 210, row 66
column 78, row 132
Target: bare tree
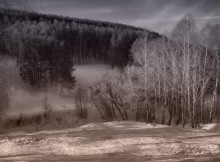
column 47, row 109
column 170, row 81
column 141, row 77
column 175, row 76
column 110, row 96
column 81, row 102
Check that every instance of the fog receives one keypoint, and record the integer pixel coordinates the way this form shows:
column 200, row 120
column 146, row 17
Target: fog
column 28, row 100
column 89, row 74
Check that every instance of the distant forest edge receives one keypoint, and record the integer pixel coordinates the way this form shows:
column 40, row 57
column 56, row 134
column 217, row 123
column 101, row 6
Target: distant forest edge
column 47, row 46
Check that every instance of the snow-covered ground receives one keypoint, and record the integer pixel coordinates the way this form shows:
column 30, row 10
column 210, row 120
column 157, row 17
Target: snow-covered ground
column 110, row 142
column 211, row 126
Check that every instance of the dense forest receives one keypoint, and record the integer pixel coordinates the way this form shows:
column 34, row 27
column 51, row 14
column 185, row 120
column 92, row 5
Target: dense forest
column 47, row 46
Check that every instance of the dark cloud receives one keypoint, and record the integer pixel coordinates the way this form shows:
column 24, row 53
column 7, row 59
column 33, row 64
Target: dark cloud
column 158, row 15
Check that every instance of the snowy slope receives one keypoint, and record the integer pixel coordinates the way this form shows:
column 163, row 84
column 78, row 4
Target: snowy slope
column 134, row 139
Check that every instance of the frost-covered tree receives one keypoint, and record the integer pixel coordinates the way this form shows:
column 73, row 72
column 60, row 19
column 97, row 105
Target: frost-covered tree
column 111, row 98
column 176, row 75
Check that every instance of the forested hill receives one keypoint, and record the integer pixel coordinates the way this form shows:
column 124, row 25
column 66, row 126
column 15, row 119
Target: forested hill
column 47, row 46
column 34, row 16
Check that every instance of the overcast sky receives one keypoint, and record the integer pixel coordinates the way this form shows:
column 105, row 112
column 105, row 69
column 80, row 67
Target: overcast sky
column 157, row 15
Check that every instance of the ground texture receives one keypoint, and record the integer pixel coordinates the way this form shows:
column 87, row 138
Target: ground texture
column 111, row 142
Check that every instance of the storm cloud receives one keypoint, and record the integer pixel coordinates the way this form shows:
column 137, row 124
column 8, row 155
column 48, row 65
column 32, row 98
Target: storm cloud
column 157, row 15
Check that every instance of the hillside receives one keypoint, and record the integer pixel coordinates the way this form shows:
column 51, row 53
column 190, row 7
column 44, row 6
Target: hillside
column 34, row 16
column 44, row 43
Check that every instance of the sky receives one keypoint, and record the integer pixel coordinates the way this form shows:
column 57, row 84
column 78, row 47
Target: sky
column 157, row 15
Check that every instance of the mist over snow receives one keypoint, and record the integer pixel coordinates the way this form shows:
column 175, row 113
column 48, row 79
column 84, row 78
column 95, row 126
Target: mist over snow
column 28, row 100
column 87, row 75
column 29, row 103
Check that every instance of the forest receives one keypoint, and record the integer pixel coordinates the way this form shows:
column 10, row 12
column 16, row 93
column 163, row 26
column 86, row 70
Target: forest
column 47, row 46
column 74, row 89
column 172, row 80
column 169, row 79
